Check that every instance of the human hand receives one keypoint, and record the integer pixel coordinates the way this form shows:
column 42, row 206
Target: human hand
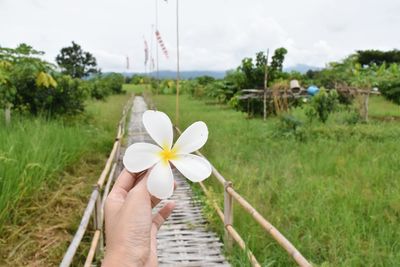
column 131, row 228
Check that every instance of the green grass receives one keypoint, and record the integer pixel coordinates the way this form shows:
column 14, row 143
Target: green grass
column 137, row 89
column 380, row 107
column 33, row 151
column 335, row 194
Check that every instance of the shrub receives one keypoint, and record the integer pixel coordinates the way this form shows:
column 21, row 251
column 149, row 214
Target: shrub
column 102, row 86
column 391, row 90
column 322, row 105
column 115, row 82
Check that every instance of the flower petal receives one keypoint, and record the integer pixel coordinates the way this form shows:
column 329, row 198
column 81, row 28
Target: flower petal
column 141, row 156
column 193, row 167
column 192, row 139
column 161, row 181
column 159, row 127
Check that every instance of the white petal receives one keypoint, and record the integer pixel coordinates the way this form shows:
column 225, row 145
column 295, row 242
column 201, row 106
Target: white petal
column 141, row 156
column 159, row 127
column 161, row 181
column 192, row 139
column 193, row 167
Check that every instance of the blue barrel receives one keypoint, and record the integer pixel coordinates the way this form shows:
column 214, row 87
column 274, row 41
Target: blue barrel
column 312, row 90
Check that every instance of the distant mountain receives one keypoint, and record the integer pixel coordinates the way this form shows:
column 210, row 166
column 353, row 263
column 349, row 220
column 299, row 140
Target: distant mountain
column 168, row 74
column 302, row 68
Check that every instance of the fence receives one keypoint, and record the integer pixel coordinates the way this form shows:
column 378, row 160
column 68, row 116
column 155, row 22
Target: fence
column 226, row 217
column 95, row 206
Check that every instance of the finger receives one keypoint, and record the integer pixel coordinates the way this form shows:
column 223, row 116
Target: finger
column 125, row 182
column 160, row 217
column 119, row 192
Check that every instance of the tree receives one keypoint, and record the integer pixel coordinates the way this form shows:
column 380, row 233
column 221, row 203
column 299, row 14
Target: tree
column 369, row 57
column 259, row 71
column 277, row 63
column 22, row 74
column 75, row 62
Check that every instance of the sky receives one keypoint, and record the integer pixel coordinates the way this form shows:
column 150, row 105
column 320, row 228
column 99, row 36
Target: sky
column 214, row 34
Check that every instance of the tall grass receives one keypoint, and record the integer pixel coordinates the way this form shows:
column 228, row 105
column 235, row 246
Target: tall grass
column 335, row 194
column 34, row 150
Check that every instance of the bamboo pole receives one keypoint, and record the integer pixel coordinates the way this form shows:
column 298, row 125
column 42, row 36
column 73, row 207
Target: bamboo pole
column 228, row 214
column 242, row 245
column 92, row 250
column 265, row 86
column 283, row 242
column 177, row 64
column 95, row 203
column 98, row 213
column 68, row 257
column 107, row 168
column 108, row 185
column 207, row 193
column 230, row 230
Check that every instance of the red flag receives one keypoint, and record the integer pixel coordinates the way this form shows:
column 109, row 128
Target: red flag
column 161, row 43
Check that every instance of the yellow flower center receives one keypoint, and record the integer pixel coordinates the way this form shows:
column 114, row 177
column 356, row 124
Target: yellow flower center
column 167, row 155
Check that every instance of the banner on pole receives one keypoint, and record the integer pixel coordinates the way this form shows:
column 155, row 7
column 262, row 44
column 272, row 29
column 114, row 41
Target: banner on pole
column 146, row 52
column 161, row 43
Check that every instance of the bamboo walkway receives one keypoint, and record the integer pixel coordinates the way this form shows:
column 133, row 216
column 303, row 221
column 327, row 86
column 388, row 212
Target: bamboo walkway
column 183, row 240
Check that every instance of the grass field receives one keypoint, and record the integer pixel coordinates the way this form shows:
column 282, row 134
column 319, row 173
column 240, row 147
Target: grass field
column 47, row 168
column 334, row 194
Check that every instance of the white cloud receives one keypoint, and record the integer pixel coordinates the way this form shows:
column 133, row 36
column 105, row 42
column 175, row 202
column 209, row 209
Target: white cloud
column 215, row 35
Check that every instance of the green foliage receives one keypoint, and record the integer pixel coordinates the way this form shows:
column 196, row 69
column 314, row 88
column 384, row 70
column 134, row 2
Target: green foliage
column 30, row 84
column 101, row 86
column 351, row 71
column 222, row 91
column 334, row 194
column 75, row 62
column 115, row 82
column 275, row 70
column 138, row 79
column 20, row 68
column 377, row 57
column 33, row 151
column 322, row 105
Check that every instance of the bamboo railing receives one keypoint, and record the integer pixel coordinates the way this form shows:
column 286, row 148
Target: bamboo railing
column 95, row 206
column 226, row 217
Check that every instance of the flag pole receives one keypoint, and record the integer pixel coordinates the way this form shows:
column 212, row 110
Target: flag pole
column 158, row 72
column 177, row 64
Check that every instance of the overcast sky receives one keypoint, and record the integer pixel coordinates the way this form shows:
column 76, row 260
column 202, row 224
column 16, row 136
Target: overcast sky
column 215, row 34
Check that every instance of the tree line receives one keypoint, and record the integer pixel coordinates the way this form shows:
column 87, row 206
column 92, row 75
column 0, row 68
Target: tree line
column 29, row 84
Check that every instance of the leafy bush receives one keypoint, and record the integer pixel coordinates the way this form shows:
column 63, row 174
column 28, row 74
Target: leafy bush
column 115, row 82
column 391, row 90
column 67, row 98
column 322, row 105
column 102, row 86
column 223, row 91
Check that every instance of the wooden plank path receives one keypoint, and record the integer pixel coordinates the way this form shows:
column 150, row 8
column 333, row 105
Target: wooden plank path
column 183, row 240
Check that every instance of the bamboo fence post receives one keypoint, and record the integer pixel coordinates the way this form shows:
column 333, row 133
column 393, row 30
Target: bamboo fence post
column 99, row 225
column 228, row 215
column 7, row 113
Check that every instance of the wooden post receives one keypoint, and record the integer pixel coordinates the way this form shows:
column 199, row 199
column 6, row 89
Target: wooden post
column 228, row 215
column 366, row 98
column 99, row 225
column 265, row 86
column 7, row 113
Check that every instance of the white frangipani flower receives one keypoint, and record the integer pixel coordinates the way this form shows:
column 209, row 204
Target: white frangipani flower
column 142, row 156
